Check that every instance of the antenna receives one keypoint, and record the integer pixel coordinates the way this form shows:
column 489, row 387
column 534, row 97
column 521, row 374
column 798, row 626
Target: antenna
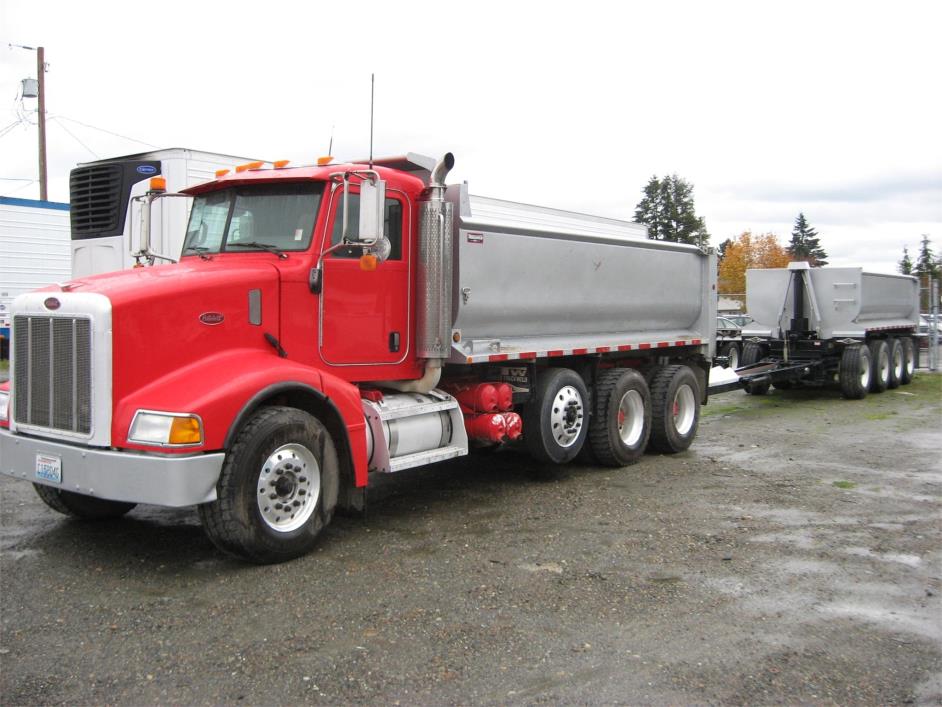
column 330, row 147
column 372, row 91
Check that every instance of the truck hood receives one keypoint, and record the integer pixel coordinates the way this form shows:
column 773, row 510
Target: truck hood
column 167, row 317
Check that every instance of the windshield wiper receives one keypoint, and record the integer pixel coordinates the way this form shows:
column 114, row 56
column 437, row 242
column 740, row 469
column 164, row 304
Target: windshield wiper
column 260, row 246
column 199, row 250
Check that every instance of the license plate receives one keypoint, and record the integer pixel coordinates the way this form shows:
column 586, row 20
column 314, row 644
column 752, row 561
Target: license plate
column 49, row 468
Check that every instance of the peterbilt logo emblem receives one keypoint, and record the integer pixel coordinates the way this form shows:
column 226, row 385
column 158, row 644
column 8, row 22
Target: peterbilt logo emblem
column 212, row 318
column 52, row 303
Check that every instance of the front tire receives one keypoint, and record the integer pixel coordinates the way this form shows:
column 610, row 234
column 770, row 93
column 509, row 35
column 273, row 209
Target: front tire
column 855, row 371
column 277, row 489
column 554, row 420
column 675, row 409
column 731, row 352
column 620, row 428
column 753, row 353
column 80, row 506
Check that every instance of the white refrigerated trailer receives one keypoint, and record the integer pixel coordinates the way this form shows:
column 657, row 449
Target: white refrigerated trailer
column 106, row 217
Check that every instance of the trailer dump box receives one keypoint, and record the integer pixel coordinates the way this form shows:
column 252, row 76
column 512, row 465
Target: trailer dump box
column 839, row 302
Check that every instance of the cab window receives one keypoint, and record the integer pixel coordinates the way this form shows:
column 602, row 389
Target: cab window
column 393, row 227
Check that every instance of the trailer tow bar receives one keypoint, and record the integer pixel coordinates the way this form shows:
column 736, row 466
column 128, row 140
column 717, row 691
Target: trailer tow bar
column 765, row 372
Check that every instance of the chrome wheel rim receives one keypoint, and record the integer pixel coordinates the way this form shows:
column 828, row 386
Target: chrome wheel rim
column 566, row 417
column 683, row 409
column 289, row 485
column 630, row 418
column 733, row 358
column 910, row 362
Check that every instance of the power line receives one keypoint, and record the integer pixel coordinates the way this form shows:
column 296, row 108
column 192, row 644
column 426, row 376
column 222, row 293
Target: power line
column 93, row 127
column 9, row 128
column 22, row 187
column 72, row 135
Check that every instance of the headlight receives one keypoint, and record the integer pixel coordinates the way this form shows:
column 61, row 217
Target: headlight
column 4, row 406
column 166, row 428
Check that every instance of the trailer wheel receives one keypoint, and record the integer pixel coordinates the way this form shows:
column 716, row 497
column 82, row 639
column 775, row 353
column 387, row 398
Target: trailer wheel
column 675, row 409
column 753, row 353
column 277, row 489
column 80, row 506
column 895, row 353
column 880, row 361
column 855, row 373
column 731, row 352
column 554, row 420
column 909, row 360
column 621, row 425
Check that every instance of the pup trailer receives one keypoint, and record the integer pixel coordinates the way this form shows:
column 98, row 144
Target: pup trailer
column 831, row 325
column 342, row 320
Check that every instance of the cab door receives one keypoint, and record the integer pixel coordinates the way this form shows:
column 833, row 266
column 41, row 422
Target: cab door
column 365, row 315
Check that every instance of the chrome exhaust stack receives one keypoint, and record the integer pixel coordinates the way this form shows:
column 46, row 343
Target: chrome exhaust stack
column 435, row 268
column 439, row 172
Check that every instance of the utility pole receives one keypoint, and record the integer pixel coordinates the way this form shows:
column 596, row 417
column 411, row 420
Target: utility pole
column 41, row 74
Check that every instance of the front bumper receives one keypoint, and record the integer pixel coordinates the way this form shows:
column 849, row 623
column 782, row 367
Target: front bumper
column 173, row 481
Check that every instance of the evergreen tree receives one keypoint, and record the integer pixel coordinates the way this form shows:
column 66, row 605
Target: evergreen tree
column 926, row 263
column 906, row 264
column 805, row 244
column 667, row 209
column 721, row 251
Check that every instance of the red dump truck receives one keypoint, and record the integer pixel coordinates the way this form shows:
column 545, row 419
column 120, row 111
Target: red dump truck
column 341, row 320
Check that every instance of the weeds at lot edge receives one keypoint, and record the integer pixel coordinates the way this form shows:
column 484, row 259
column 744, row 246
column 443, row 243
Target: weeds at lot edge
column 924, row 391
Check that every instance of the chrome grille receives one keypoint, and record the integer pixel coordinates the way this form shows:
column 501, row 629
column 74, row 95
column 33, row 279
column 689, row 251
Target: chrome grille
column 52, row 381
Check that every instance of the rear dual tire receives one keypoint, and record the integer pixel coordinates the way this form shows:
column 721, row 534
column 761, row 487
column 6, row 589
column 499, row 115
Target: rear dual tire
column 629, row 415
column 909, row 360
column 880, row 362
column 555, row 420
column 621, row 424
column 675, row 409
column 855, row 372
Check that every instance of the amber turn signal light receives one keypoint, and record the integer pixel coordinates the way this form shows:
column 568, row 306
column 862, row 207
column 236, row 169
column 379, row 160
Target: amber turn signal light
column 185, row 430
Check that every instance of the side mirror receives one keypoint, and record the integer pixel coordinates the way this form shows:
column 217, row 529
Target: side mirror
column 372, row 210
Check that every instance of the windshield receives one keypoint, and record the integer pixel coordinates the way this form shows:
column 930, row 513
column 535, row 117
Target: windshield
column 265, row 217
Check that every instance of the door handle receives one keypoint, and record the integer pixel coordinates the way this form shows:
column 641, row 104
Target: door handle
column 394, row 341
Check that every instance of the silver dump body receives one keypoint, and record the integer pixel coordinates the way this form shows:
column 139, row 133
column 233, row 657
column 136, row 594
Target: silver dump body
column 536, row 281
column 840, row 302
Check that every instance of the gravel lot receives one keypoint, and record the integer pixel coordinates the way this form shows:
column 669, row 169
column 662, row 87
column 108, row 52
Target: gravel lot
column 793, row 555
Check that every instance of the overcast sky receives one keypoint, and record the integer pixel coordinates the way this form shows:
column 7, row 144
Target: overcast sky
column 768, row 108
